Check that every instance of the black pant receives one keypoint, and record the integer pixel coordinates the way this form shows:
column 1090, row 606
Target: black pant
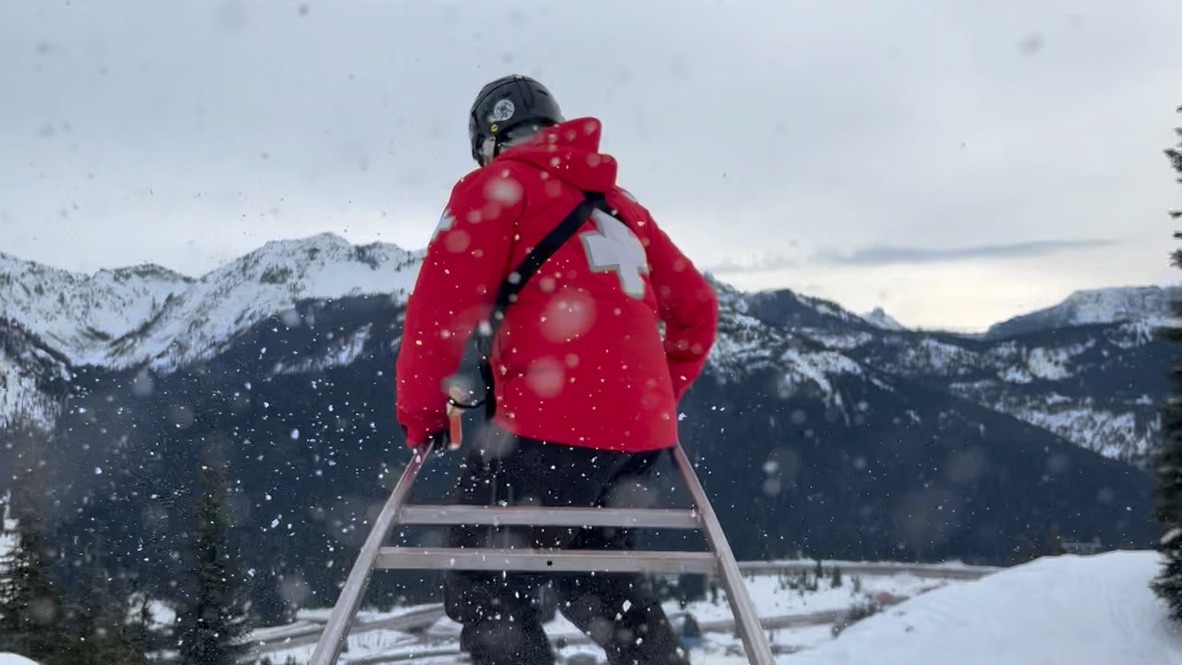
column 501, row 613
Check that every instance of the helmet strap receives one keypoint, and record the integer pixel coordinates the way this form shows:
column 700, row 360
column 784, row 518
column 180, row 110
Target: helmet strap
column 494, row 144
column 489, row 149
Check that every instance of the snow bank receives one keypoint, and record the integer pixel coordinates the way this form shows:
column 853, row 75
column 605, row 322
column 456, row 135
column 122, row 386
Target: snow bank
column 1069, row 609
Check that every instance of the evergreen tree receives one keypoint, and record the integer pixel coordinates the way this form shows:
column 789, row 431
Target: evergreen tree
column 31, row 603
column 145, row 632
column 214, row 622
column 101, row 617
column 1168, row 460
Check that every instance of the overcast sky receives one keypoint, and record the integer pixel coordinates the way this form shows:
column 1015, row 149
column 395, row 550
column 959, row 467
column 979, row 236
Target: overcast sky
column 956, row 162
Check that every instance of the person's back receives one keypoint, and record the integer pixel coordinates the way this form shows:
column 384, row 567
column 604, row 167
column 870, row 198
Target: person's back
column 585, row 384
column 579, row 358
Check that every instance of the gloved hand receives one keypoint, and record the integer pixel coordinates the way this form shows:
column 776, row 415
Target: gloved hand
column 440, row 442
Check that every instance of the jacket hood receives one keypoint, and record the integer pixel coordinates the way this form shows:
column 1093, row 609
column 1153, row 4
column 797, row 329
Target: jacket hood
column 569, row 151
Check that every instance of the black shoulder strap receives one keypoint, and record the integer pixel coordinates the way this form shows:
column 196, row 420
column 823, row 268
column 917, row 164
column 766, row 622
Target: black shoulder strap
column 539, row 254
column 486, row 331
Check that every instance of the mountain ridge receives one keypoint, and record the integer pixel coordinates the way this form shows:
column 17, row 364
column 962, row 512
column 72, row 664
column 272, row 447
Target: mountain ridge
column 152, row 319
column 802, row 448
column 82, row 322
column 814, row 430
column 879, row 317
column 1095, row 306
column 145, row 314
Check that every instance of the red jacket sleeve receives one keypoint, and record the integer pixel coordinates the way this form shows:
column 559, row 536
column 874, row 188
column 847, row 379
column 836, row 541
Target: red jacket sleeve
column 688, row 306
column 456, row 286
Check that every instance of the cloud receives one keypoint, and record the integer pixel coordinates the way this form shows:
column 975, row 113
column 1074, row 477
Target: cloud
column 887, row 255
column 895, row 255
column 187, row 134
column 763, row 263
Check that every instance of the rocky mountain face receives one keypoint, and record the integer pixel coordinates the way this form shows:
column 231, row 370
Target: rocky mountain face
column 1147, row 304
column 1094, row 375
column 816, row 430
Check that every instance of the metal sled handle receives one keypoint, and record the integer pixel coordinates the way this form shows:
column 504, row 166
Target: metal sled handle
column 721, row 560
column 328, row 648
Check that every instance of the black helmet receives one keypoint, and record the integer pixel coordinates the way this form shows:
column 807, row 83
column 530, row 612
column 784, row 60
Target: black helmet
column 509, row 104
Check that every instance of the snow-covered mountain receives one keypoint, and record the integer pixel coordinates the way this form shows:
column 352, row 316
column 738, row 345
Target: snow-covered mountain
column 80, row 315
column 1144, row 304
column 880, row 318
column 53, row 320
column 1094, row 374
column 1098, row 386
column 856, row 441
column 148, row 314
column 1057, row 368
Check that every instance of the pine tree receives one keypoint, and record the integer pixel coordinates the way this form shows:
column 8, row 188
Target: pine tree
column 142, row 630
column 102, row 614
column 1168, row 461
column 214, row 623
column 31, row 603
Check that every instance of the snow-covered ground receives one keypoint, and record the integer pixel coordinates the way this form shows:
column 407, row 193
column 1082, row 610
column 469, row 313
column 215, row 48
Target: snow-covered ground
column 1072, row 610
column 1069, row 609
column 777, row 603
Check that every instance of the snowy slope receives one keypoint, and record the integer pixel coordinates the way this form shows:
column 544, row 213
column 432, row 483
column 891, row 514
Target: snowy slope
column 201, row 321
column 27, row 369
column 805, row 615
column 126, row 317
column 1097, row 388
column 1065, row 610
column 1057, row 375
column 21, row 399
column 746, row 344
column 1127, row 431
column 79, row 314
column 1141, row 303
column 879, row 318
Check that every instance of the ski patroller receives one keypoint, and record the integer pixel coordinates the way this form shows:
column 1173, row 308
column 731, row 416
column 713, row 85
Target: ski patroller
column 719, row 561
column 513, row 112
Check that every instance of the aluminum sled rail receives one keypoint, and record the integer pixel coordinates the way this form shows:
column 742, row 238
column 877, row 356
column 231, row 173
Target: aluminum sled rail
column 719, row 561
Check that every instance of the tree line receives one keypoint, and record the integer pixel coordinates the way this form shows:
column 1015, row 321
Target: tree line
column 1167, row 465
column 63, row 602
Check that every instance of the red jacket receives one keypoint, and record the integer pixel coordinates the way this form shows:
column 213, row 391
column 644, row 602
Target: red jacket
column 579, row 358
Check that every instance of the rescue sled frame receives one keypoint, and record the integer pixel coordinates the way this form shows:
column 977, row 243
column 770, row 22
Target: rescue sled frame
column 719, row 562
